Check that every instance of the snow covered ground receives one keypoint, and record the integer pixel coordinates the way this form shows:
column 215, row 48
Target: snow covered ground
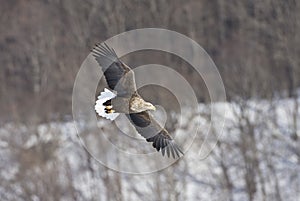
column 257, row 157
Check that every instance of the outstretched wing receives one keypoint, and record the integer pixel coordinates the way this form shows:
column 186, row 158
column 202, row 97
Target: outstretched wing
column 119, row 76
column 150, row 129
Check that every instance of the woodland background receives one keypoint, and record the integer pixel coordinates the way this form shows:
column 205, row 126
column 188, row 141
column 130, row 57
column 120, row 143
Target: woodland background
column 255, row 46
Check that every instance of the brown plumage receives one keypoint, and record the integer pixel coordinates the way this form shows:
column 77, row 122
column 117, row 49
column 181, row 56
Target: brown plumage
column 120, row 78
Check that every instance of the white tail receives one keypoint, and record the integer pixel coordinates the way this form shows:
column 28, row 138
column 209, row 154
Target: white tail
column 105, row 111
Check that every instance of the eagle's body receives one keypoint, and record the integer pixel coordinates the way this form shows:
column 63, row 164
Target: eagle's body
column 135, row 104
column 123, row 98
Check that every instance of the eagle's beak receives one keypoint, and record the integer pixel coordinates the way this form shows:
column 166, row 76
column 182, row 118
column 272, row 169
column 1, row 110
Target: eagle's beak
column 149, row 106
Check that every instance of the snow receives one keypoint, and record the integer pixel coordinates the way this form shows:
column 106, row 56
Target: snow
column 202, row 178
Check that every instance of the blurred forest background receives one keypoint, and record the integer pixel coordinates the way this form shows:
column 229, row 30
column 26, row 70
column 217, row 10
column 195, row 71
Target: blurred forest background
column 254, row 44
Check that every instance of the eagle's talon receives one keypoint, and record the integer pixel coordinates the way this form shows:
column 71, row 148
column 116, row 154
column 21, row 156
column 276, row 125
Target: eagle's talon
column 109, row 107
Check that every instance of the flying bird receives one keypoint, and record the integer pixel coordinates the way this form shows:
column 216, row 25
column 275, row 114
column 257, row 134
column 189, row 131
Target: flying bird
column 122, row 97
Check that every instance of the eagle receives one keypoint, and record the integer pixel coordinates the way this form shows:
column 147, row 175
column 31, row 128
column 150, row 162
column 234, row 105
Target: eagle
column 122, row 97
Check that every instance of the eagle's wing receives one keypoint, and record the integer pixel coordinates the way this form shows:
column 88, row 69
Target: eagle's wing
column 150, row 129
column 119, row 76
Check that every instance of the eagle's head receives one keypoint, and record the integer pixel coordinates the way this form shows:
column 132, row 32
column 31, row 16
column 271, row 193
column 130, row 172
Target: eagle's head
column 139, row 105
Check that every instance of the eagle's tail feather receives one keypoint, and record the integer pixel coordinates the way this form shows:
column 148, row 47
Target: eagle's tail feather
column 103, row 106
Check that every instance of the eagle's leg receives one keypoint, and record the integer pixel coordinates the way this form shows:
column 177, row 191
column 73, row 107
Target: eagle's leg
column 109, row 111
column 108, row 107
